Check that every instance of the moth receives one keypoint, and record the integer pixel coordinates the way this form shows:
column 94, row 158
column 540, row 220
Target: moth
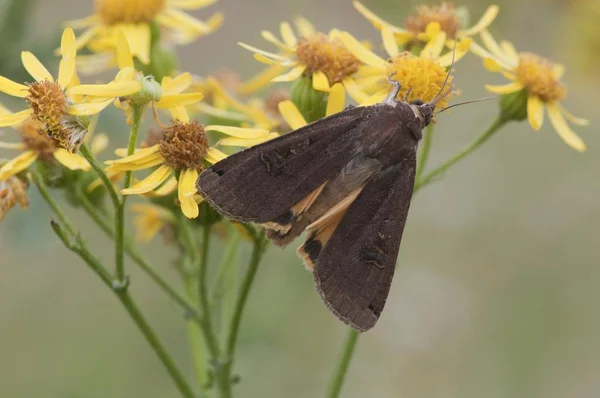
column 347, row 180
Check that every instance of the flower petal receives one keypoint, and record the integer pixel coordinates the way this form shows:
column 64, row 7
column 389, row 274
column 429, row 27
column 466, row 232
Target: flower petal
column 389, row 41
column 558, row 71
column 246, row 143
column 124, row 57
column 360, row 51
column 486, row 19
column 336, row 100
column 260, row 80
column 492, row 45
column 112, row 90
column 354, row 91
column 148, row 163
column 573, row 119
column 177, row 84
column 13, row 145
column 291, row 114
column 377, row 22
column 214, row 155
column 563, row 129
column 156, row 178
column 17, row 164
column 287, row 34
column 179, row 113
column 14, row 118
column 67, row 64
column 509, row 51
column 305, row 28
column 271, row 38
column 71, row 161
column 175, row 100
column 292, row 75
column 462, row 48
column 191, row 4
column 186, row 192
column 89, row 108
column 320, row 81
column 239, row 132
column 35, row 68
column 138, row 38
column 436, row 44
column 13, row 88
column 167, row 188
column 505, row 88
column 99, row 143
column 535, row 112
column 138, row 155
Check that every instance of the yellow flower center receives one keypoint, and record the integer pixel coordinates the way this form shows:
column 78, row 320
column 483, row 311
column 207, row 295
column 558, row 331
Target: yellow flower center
column 128, row 11
column 444, row 14
column 320, row 53
column 35, row 139
column 536, row 74
column 422, row 76
column 12, row 191
column 184, row 145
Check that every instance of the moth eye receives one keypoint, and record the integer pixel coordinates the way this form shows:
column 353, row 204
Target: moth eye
column 417, row 102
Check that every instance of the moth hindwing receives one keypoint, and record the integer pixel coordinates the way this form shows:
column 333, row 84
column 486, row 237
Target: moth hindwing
column 347, row 180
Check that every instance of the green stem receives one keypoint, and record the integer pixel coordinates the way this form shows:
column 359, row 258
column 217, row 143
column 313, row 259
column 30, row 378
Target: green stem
column 77, row 245
column 202, row 285
column 224, row 375
column 89, row 156
column 428, row 178
column 120, row 209
column 425, row 149
column 139, row 260
column 342, row 368
column 351, row 340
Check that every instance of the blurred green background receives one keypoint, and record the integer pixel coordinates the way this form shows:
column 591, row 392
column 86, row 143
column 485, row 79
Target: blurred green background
column 496, row 293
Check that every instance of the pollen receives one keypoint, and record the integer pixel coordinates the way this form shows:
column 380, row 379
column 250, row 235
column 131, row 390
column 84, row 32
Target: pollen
column 184, row 145
column 444, row 14
column 128, row 11
column 321, row 54
column 536, row 74
column 13, row 191
column 35, row 139
column 422, row 76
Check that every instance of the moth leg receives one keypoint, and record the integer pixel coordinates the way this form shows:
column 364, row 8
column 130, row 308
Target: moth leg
column 407, row 94
column 396, row 86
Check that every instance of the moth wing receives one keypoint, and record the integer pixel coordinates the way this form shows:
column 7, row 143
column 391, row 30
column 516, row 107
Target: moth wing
column 354, row 269
column 262, row 183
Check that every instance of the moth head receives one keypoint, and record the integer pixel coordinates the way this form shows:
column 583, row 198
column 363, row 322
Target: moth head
column 422, row 110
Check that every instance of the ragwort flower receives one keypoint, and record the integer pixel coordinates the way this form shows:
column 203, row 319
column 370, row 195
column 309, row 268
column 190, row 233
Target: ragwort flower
column 539, row 79
column 322, row 57
column 13, row 191
column 150, row 220
column 135, row 18
column 183, row 150
column 416, row 27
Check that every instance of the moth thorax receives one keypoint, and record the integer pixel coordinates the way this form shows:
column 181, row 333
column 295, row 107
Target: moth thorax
column 184, row 146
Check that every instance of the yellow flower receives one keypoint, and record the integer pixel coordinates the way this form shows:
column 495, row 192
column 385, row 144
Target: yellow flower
column 34, row 145
column 135, row 19
column 53, row 103
column 446, row 16
column 150, row 220
column 540, row 80
column 322, row 57
column 13, row 191
column 421, row 76
column 182, row 150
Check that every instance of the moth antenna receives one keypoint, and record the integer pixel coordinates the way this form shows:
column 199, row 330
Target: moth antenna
column 396, row 86
column 464, row 103
column 435, row 99
column 157, row 118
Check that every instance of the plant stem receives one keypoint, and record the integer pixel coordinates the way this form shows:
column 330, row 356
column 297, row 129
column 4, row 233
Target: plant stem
column 342, row 368
column 120, row 209
column 89, row 156
column 496, row 124
column 351, row 340
column 77, row 245
column 224, row 374
column 425, row 149
column 202, row 285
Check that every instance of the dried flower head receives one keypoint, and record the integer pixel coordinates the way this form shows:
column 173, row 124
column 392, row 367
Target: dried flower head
column 183, row 146
column 13, row 191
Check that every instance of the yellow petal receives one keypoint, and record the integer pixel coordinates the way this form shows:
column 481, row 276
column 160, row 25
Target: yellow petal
column 535, row 112
column 372, row 17
column 292, row 75
column 320, row 81
column 124, row 58
column 174, row 100
column 214, row 155
column 491, row 65
column 573, row 119
column 147, row 163
column 389, row 41
column 156, row 178
column 435, row 45
column 191, row 4
column 71, row 161
column 89, row 108
column 260, row 80
column 246, row 143
column 35, row 68
column 112, row 90
column 354, row 91
column 376, row 98
column 186, row 192
column 291, row 114
column 360, row 51
column 13, row 145
column 15, row 118
column 177, row 84
column 462, row 48
column 12, row 88
column 165, row 189
column 270, row 37
column 82, row 23
column 17, row 165
column 563, row 129
column 139, row 155
column 486, row 19
column 125, row 75
column 505, row 88
column 558, row 70
column 305, row 28
column 509, row 51
column 179, row 113
column 67, row 64
column 138, row 38
column 287, row 34
column 262, row 52
column 99, row 143
column 239, row 132
column 336, row 100
column 492, row 45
